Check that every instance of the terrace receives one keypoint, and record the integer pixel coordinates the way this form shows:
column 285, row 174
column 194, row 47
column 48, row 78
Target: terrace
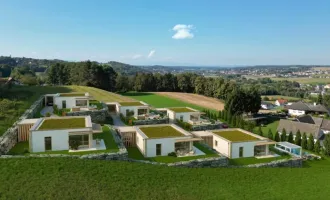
column 132, row 103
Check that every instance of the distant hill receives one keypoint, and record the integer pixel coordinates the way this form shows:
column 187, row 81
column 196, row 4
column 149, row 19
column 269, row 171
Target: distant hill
column 126, row 69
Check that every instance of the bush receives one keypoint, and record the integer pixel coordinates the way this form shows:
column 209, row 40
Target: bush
column 266, row 98
column 172, row 154
column 48, row 114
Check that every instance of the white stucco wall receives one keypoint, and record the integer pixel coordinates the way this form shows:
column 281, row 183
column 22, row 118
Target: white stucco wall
column 167, row 146
column 140, row 143
column 186, row 115
column 70, row 102
column 122, row 109
column 222, row 147
column 296, row 112
column 248, row 149
column 60, row 140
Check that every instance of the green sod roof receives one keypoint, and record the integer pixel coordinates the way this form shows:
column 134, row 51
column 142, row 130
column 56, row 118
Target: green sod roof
column 65, row 123
column 161, row 132
column 181, row 109
column 236, row 136
column 132, row 103
column 73, row 94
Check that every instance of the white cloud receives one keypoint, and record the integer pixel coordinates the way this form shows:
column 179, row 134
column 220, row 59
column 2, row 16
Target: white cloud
column 136, row 56
column 151, row 53
column 183, row 31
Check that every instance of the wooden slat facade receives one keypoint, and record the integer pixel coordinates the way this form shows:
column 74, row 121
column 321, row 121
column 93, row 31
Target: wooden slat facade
column 128, row 138
column 24, row 132
column 208, row 140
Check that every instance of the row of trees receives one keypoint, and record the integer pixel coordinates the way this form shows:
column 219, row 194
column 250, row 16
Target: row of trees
column 300, row 139
column 238, row 100
column 83, row 73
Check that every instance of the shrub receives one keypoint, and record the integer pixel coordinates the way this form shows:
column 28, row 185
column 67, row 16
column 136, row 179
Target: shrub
column 290, row 138
column 310, row 143
column 270, row 134
column 277, row 137
column 266, row 98
column 48, row 114
column 304, row 141
column 317, row 146
column 283, row 135
column 172, row 154
column 74, row 144
column 297, row 139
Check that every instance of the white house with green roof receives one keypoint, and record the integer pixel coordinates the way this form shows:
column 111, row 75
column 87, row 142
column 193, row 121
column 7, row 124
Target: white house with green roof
column 185, row 114
column 68, row 100
column 64, row 133
column 160, row 140
column 237, row 143
column 136, row 109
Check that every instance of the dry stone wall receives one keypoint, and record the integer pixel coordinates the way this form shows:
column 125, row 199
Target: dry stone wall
column 96, row 115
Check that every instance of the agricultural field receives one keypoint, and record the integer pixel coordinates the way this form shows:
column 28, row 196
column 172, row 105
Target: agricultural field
column 159, row 101
column 65, row 178
column 273, row 98
column 200, row 100
column 305, row 80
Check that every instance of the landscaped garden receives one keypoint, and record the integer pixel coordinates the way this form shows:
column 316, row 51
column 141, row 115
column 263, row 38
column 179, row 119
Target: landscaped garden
column 22, row 148
column 134, row 153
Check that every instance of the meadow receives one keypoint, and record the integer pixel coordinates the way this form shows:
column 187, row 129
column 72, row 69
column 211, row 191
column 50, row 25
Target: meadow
column 305, row 80
column 65, row 178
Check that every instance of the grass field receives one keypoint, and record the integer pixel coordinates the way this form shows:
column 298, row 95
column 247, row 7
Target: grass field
column 272, row 126
column 159, row 101
column 305, row 80
column 273, row 98
column 63, row 178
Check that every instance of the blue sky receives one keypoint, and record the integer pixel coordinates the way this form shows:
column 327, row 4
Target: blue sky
column 181, row 32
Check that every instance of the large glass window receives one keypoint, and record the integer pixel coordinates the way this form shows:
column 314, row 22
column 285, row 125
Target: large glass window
column 142, row 111
column 79, row 139
column 81, row 102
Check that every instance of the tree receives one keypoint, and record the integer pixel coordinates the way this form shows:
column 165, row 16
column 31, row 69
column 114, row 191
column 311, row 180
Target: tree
column 304, row 141
column 317, row 146
column 259, row 131
column 290, row 137
column 270, row 134
column 297, row 139
column 277, row 137
column 326, row 144
column 319, row 99
column 122, row 84
column 310, row 142
column 283, row 135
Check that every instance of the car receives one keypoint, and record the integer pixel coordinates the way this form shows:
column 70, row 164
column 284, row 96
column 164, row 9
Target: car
column 224, row 126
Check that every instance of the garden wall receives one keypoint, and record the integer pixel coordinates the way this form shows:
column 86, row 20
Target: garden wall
column 293, row 162
column 151, row 121
column 9, row 138
column 96, row 115
column 205, row 127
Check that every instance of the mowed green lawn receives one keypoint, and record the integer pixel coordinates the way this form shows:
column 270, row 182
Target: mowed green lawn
column 65, row 178
column 272, row 126
column 159, row 101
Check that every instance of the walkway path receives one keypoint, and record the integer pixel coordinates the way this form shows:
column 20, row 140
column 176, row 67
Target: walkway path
column 47, row 109
column 116, row 120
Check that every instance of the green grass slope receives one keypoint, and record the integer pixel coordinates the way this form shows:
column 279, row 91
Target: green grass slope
column 49, row 178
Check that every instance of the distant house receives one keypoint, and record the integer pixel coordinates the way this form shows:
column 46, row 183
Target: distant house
column 327, row 86
column 294, row 126
column 301, row 108
column 281, row 102
column 266, row 105
column 138, row 109
column 68, row 100
column 184, row 114
column 324, row 124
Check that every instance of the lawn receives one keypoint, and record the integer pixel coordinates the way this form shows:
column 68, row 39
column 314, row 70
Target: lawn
column 272, row 126
column 161, row 131
column 134, row 153
column 21, row 148
column 65, row 178
column 253, row 160
column 159, row 101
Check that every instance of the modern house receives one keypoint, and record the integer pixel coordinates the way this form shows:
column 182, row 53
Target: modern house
column 159, row 140
column 136, row 109
column 294, row 126
column 236, row 143
column 281, row 102
column 68, row 100
column 266, row 105
column 301, row 108
column 60, row 133
column 184, row 114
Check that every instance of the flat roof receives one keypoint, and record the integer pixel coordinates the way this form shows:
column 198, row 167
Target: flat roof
column 182, row 109
column 29, row 121
column 289, row 145
column 72, row 94
column 131, row 103
column 64, row 123
column 236, row 136
column 202, row 133
column 161, row 131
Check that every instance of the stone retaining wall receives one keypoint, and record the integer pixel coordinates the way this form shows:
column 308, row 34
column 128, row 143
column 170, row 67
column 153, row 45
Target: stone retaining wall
column 293, row 162
column 151, row 121
column 9, row 138
column 97, row 116
column 205, row 127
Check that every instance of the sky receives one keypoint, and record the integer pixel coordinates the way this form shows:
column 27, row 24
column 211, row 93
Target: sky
column 159, row 32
